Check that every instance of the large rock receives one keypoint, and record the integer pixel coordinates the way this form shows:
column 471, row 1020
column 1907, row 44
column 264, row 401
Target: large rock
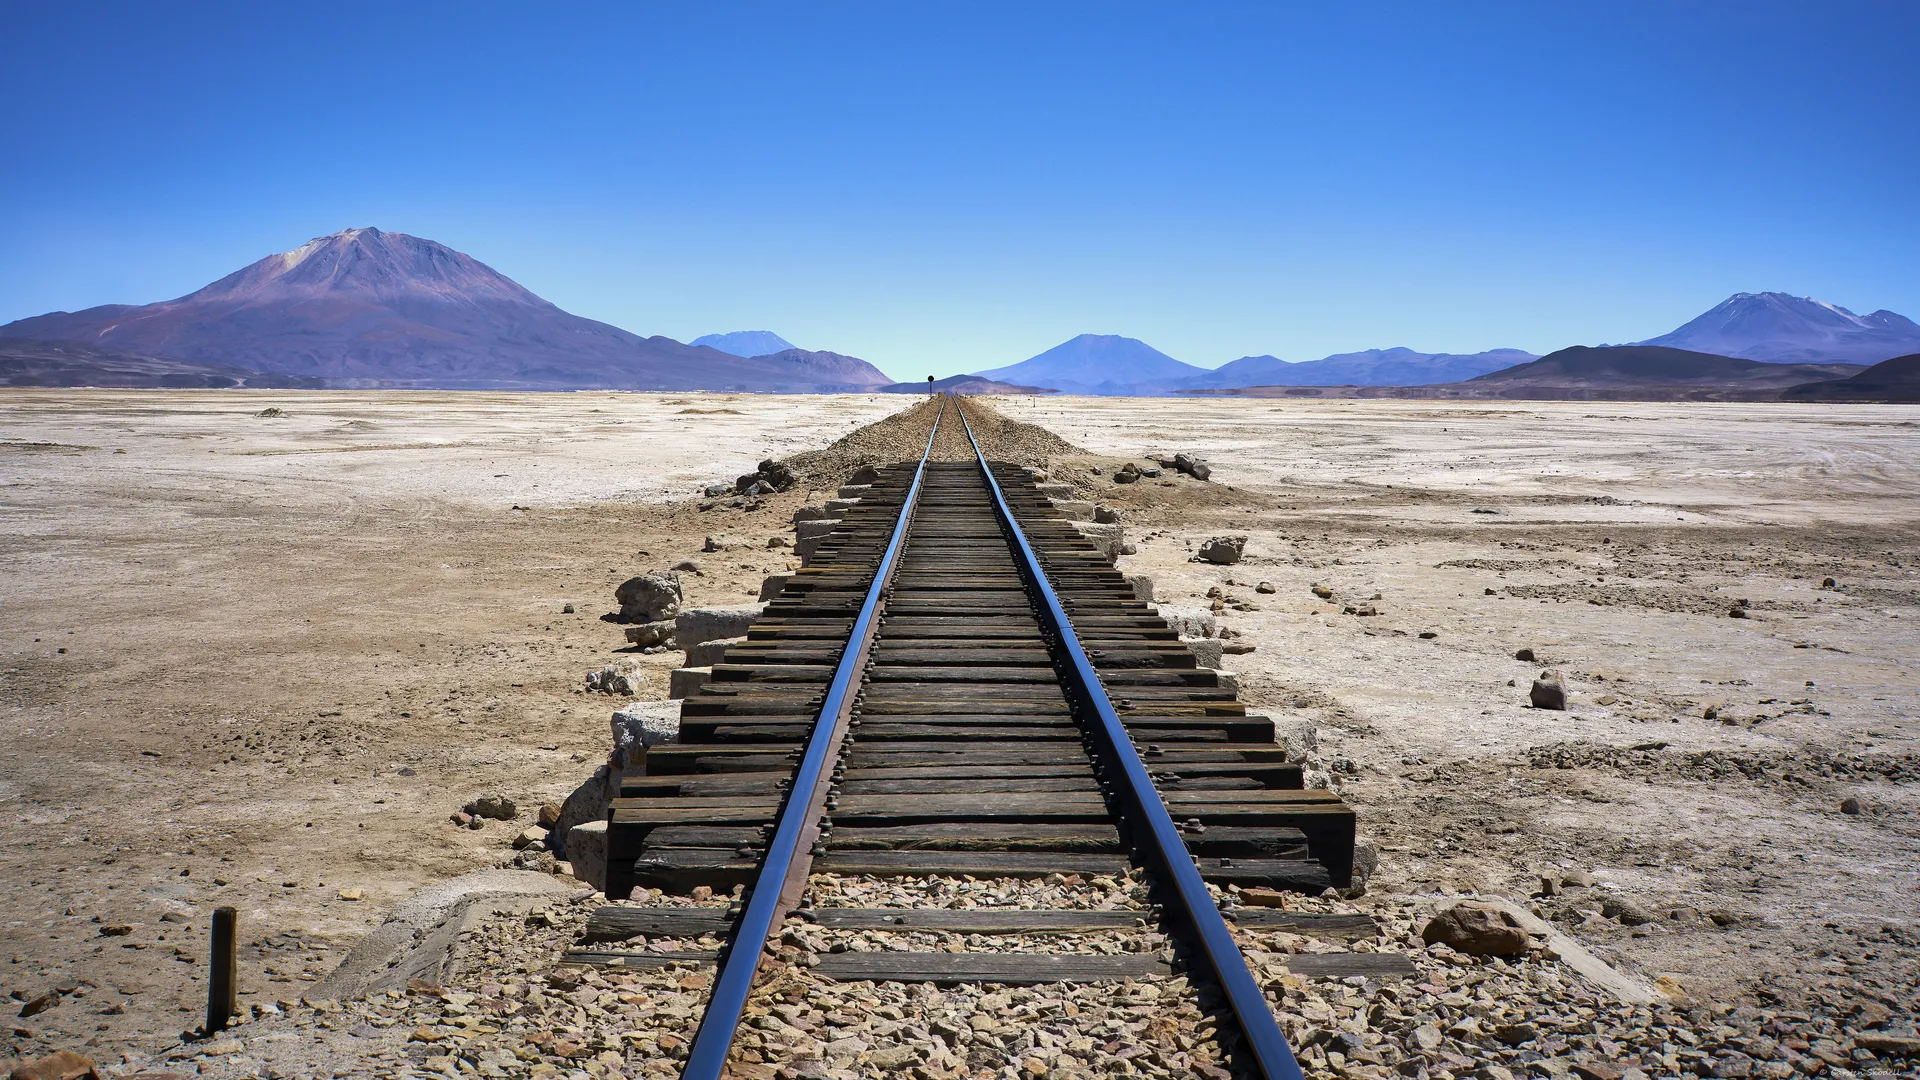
column 1206, row 651
column 62, row 1064
column 641, row 724
column 1297, row 736
column 1549, row 691
column 1142, row 586
column 687, row 681
column 709, row 653
column 1193, row 466
column 587, row 853
column 771, row 585
column 1223, row 550
column 1190, row 622
column 696, row 625
column 649, row 597
column 497, row 807
column 1477, row 929
column 1110, row 539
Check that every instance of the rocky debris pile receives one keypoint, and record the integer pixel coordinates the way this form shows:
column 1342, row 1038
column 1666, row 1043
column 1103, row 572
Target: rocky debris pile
column 1191, row 464
column 1222, row 550
column 772, row 476
column 614, row 679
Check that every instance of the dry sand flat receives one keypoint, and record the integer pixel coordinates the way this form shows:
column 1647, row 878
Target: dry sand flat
column 267, row 620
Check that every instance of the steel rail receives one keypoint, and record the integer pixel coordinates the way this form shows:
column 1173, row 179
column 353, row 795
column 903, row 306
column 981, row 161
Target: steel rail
column 784, row 870
column 1150, row 825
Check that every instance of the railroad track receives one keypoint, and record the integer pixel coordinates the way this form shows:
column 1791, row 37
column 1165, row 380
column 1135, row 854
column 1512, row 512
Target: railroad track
column 957, row 684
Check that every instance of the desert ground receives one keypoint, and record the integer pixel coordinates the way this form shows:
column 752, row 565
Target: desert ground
column 258, row 660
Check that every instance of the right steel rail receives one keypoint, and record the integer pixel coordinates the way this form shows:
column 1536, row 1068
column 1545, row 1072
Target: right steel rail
column 1150, row 826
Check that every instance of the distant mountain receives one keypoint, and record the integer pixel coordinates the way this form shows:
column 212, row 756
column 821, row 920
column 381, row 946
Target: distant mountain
column 1779, row 328
column 746, row 342
column 832, row 370
column 1622, row 367
column 1098, row 364
column 964, row 384
column 1897, row 379
column 1373, row 367
column 367, row 308
column 29, row 362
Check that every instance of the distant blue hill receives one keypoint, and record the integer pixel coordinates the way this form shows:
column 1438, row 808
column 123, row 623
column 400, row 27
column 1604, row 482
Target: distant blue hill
column 1098, row 364
column 746, row 342
column 1371, row 367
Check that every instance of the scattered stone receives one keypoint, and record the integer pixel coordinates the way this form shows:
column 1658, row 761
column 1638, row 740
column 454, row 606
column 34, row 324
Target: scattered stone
column 566, row 609
column 272, row 412
column 770, row 477
column 1323, row 592
column 351, row 895
column 1127, row 474
column 714, row 491
column 1265, row 587
column 549, row 813
column 1223, row 550
column 1428, row 635
column 1737, row 613
column 1828, row 583
column 525, row 838
column 460, row 818
column 115, row 930
column 1477, row 929
column 40, row 1003
column 649, row 597
column 648, row 635
column 1105, row 515
column 1524, row 654
column 1576, row 879
column 1627, row 912
column 1849, row 806
column 692, row 566
column 776, row 542
column 1549, row 691
column 497, row 807
column 610, row 679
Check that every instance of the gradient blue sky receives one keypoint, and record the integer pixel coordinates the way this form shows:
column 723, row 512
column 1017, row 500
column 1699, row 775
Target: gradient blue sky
column 953, row 187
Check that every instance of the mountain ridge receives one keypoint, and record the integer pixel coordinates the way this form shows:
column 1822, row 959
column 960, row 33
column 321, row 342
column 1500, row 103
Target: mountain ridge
column 362, row 307
column 1777, row 327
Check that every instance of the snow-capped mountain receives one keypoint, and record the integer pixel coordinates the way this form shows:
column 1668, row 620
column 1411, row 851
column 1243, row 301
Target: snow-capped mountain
column 365, row 307
column 1779, row 328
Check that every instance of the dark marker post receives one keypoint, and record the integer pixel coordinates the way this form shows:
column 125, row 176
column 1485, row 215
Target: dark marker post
column 222, row 986
column 929, row 386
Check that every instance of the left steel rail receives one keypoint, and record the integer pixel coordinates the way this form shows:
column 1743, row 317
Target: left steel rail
column 783, row 873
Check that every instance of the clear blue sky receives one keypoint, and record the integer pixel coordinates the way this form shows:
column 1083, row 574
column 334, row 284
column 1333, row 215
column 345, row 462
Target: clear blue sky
column 952, row 187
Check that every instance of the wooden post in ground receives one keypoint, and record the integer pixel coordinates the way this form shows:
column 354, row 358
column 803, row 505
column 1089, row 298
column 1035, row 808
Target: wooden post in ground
column 222, row 983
